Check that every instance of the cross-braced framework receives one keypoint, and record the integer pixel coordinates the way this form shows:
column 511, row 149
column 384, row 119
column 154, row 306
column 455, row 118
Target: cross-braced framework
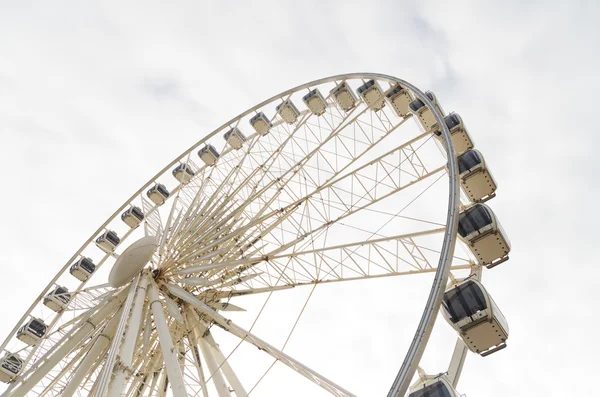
column 327, row 190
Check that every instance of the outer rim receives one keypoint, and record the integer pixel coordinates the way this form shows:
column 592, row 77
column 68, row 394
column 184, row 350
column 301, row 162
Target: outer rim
column 425, row 327
column 417, row 347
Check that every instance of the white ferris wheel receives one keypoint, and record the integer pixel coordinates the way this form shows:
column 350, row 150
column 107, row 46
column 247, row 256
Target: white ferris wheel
column 343, row 179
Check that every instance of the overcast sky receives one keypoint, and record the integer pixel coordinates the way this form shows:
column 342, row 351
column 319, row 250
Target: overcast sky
column 96, row 98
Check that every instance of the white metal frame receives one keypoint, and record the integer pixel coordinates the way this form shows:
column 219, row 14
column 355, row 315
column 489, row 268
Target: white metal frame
column 188, row 217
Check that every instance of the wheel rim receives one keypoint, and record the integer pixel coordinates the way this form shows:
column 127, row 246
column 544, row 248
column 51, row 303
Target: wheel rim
column 179, row 271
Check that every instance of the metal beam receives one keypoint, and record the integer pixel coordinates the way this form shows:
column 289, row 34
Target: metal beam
column 215, row 371
column 84, row 330
column 126, row 355
column 100, row 344
column 241, row 333
column 111, row 358
column 166, row 343
column 193, row 337
column 234, row 381
column 457, row 362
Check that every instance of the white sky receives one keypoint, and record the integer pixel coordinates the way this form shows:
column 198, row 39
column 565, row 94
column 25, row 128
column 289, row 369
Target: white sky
column 95, row 99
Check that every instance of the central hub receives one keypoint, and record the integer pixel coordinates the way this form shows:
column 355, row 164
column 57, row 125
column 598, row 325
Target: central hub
column 131, row 262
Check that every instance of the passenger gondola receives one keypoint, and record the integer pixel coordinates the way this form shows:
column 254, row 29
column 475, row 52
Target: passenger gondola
column 399, row 99
column 475, row 178
column 288, row 111
column 209, row 155
column 315, row 102
column 133, row 216
column 11, row 366
column 471, row 311
column 82, row 269
column 261, row 123
column 344, row 96
column 424, row 115
column 108, row 241
column 235, row 138
column 183, row 173
column 32, row 331
column 372, row 95
column 433, row 386
column 461, row 140
column 58, row 299
column 481, row 231
column 158, row 194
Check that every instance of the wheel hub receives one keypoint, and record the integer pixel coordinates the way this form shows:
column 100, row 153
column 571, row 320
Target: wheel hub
column 132, row 261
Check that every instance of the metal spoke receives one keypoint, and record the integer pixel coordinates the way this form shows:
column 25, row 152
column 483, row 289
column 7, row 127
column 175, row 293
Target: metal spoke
column 218, row 295
column 127, row 347
column 319, row 251
column 112, row 354
column 166, row 343
column 215, row 358
column 36, row 373
column 291, row 208
column 229, row 326
column 100, row 344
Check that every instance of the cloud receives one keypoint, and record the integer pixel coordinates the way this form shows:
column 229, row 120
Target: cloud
column 94, row 100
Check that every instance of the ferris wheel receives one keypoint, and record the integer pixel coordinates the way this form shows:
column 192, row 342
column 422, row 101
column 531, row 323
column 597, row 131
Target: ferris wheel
column 340, row 180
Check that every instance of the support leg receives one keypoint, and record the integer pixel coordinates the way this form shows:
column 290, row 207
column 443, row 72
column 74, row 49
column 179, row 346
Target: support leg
column 196, row 331
column 99, row 346
column 60, row 353
column 225, row 367
column 132, row 333
column 166, row 343
column 215, row 371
